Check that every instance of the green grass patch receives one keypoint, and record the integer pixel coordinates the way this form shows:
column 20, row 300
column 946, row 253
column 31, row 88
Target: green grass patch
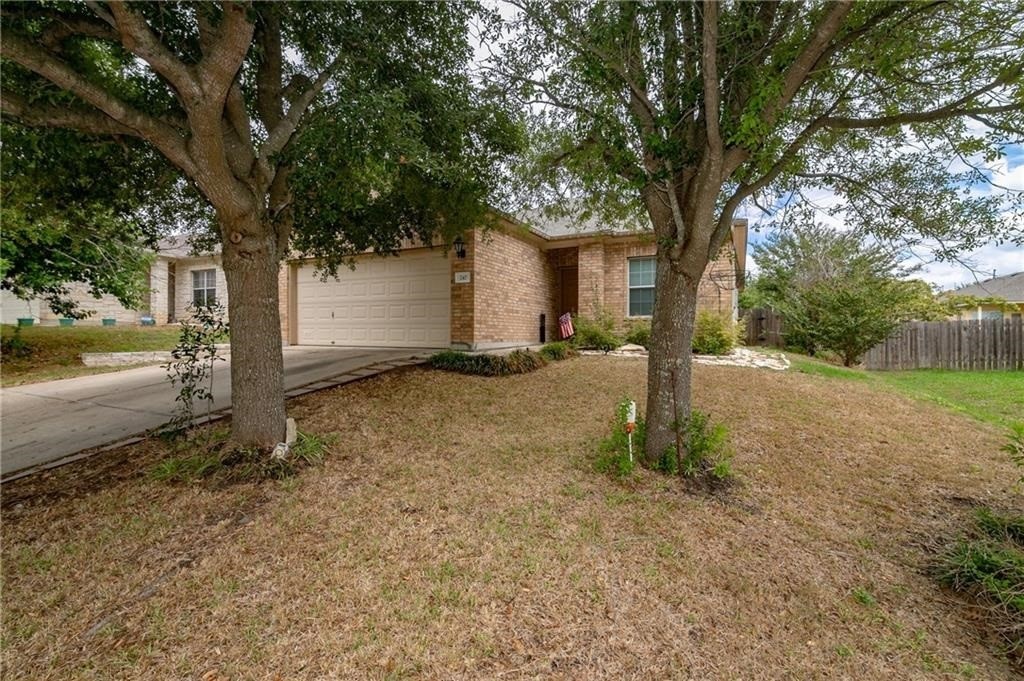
column 186, row 468
column 995, row 397
column 215, row 457
column 816, row 367
column 1001, row 526
column 987, row 566
column 43, row 353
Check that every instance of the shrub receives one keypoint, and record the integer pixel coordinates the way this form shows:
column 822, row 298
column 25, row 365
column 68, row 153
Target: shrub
column 516, row 362
column 613, row 452
column 714, row 334
column 15, row 346
column 557, row 351
column 988, row 566
column 1015, row 447
column 708, row 453
column 595, row 334
column 639, row 334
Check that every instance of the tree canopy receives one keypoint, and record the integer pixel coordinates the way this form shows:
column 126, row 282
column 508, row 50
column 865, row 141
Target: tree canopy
column 835, row 292
column 76, row 221
column 311, row 128
column 681, row 112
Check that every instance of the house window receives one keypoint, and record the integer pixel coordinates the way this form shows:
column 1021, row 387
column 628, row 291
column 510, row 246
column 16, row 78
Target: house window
column 204, row 287
column 641, row 287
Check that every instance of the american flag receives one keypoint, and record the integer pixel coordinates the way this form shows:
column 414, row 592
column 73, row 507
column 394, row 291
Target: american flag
column 565, row 325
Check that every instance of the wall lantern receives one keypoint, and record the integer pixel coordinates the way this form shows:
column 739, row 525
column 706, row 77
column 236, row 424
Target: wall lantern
column 460, row 247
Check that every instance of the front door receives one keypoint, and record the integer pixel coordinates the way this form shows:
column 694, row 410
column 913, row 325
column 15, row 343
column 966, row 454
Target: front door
column 569, row 284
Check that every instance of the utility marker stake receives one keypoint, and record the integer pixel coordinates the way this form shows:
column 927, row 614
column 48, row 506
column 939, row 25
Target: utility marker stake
column 630, row 426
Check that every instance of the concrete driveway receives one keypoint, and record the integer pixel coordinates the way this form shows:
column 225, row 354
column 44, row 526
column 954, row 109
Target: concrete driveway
column 46, row 422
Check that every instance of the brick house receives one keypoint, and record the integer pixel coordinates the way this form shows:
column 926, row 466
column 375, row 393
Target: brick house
column 504, row 286
column 509, row 283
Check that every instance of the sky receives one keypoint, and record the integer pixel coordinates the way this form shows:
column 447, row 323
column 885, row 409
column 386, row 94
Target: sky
column 1001, row 259
column 975, row 266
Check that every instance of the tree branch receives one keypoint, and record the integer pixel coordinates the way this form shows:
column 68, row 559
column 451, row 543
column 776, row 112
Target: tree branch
column 88, row 121
column 220, row 65
column 801, row 67
column 140, row 40
column 950, row 110
column 269, row 72
column 709, row 69
column 279, row 137
column 158, row 132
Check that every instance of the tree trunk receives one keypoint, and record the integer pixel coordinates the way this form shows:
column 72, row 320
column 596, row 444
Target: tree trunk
column 257, row 365
column 669, row 363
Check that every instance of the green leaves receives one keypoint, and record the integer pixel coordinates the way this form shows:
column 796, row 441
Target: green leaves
column 836, row 293
column 72, row 213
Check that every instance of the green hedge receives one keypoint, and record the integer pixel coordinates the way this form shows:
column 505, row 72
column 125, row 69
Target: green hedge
column 595, row 334
column 558, row 350
column 516, row 362
column 640, row 334
column 714, row 334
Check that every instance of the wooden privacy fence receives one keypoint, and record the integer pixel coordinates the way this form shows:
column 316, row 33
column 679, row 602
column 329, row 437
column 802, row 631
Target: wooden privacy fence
column 764, row 327
column 971, row 344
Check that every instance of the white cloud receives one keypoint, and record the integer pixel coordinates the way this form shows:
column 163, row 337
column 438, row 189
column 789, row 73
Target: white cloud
column 980, row 264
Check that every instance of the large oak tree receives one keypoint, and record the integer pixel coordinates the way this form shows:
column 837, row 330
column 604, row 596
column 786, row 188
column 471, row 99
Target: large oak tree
column 682, row 111
column 326, row 127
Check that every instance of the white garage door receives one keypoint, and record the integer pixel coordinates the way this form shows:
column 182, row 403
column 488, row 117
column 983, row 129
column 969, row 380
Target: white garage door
column 384, row 301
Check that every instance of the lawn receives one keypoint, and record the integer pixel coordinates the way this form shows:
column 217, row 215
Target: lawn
column 54, row 352
column 458, row 530
column 995, row 397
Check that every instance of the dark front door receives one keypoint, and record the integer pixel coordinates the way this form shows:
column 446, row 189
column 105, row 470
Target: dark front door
column 569, row 285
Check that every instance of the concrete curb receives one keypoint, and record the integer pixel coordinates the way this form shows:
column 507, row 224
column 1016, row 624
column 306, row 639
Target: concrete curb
column 345, row 378
column 116, row 359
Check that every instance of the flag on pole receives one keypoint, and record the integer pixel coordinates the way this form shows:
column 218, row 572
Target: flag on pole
column 565, row 326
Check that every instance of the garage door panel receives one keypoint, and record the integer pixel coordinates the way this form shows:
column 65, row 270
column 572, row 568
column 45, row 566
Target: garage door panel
column 403, row 301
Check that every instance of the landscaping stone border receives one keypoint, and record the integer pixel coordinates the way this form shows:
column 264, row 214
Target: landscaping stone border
column 740, row 357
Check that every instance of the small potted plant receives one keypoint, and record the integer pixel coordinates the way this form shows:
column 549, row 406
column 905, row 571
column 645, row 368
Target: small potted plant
column 66, row 321
column 26, row 321
column 109, row 321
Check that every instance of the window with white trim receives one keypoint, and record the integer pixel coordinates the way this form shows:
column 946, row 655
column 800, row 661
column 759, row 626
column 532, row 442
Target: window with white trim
column 641, row 287
column 204, row 287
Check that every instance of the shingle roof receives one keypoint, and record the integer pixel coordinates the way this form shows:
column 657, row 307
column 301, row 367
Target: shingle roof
column 179, row 246
column 567, row 226
column 1009, row 287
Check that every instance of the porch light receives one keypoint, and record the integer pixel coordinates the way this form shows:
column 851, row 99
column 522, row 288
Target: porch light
column 460, row 247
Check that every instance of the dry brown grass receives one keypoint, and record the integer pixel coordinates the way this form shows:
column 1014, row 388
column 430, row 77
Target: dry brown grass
column 459, row 531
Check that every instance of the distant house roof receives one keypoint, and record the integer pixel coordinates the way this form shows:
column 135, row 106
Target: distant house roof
column 180, row 246
column 1009, row 287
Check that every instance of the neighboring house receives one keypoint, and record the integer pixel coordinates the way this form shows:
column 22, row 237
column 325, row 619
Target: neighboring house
column 179, row 277
column 1009, row 288
column 176, row 278
column 508, row 287
column 13, row 308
